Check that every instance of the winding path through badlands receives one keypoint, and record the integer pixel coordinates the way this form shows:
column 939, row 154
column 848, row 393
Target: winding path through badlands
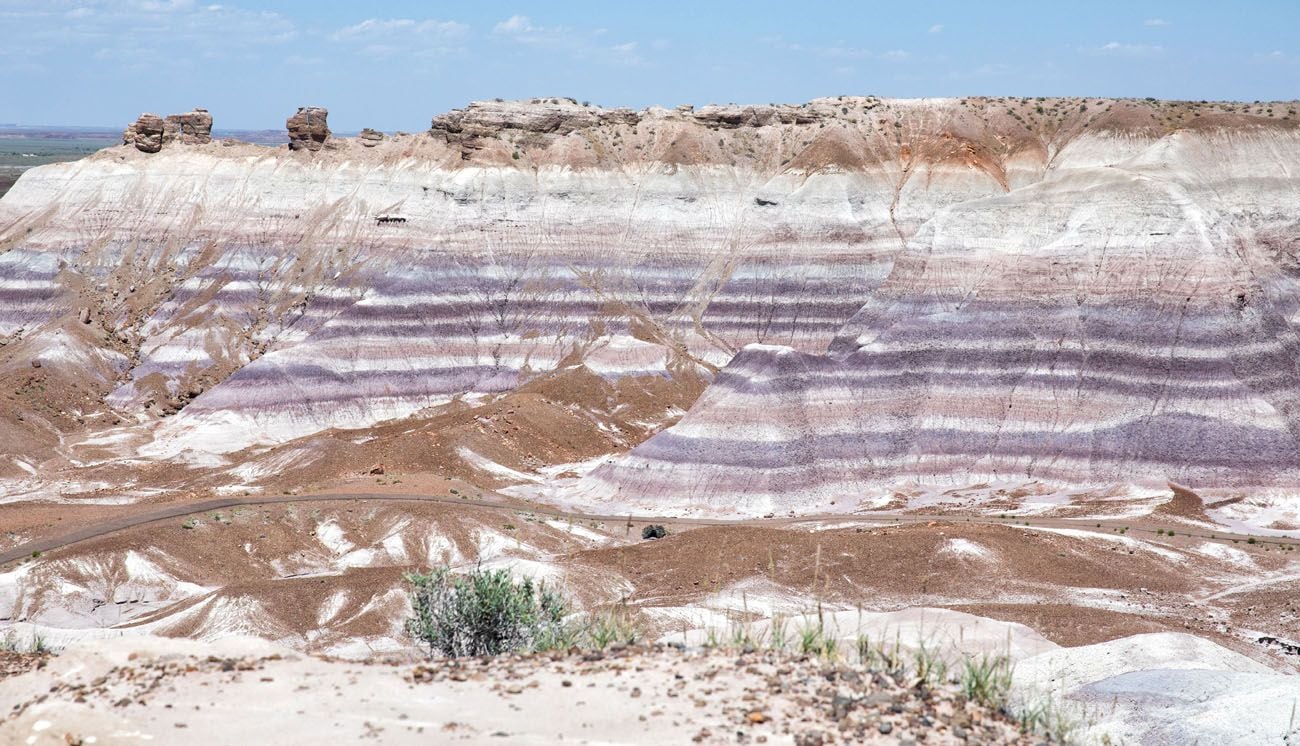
column 177, row 511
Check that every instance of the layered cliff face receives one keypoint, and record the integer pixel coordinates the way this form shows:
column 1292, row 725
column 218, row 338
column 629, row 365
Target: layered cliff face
column 1077, row 290
column 1130, row 317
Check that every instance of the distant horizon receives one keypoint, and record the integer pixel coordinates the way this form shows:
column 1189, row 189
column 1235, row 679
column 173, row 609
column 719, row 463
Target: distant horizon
column 108, row 128
column 393, row 65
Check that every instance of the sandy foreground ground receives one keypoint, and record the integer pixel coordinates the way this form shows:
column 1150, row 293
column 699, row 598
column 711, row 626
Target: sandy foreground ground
column 242, row 691
column 1164, row 688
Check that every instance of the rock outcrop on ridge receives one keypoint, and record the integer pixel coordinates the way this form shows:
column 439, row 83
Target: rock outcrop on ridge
column 191, row 128
column 1083, row 290
column 308, row 129
column 145, row 133
column 150, row 132
column 482, row 121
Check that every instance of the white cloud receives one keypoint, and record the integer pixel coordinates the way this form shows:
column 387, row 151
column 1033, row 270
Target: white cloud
column 406, row 37
column 1276, row 55
column 1117, row 49
column 837, row 52
column 521, row 29
column 162, row 6
column 1155, row 22
column 143, row 33
column 383, row 28
column 579, row 44
column 936, row 28
column 517, row 24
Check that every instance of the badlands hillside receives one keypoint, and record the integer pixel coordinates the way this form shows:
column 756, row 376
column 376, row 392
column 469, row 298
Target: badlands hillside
column 1014, row 374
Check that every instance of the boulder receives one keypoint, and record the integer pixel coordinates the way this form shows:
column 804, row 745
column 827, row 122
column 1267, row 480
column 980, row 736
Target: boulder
column 191, row 128
column 370, row 138
column 308, row 129
column 145, row 133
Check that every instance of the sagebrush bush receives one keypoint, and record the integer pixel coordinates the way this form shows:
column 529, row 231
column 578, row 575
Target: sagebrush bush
column 486, row 612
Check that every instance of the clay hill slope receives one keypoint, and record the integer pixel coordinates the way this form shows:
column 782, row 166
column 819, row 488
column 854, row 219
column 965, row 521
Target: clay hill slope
column 1129, row 318
column 1080, row 289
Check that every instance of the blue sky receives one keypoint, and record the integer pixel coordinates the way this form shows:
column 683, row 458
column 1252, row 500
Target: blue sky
column 392, row 65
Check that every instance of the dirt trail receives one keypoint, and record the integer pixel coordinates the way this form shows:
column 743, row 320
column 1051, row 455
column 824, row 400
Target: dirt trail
column 175, row 511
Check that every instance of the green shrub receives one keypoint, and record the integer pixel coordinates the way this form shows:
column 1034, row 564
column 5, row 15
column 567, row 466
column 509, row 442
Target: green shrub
column 486, row 612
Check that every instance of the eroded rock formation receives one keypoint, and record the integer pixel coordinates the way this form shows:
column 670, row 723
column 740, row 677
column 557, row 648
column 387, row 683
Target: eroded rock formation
column 1074, row 290
column 150, row 132
column 484, row 120
column 191, row 128
column 308, row 129
column 145, row 133
column 1126, row 318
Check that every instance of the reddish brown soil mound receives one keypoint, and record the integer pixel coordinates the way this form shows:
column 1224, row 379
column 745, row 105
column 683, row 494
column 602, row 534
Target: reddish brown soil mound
column 562, row 417
column 1185, row 504
column 1068, row 625
column 897, row 564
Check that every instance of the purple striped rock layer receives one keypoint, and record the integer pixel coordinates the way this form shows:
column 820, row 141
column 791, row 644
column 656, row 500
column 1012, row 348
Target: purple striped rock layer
column 1069, row 284
column 1127, row 323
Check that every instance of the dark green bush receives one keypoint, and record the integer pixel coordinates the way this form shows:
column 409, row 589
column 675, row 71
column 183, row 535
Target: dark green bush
column 654, row 531
column 486, row 612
